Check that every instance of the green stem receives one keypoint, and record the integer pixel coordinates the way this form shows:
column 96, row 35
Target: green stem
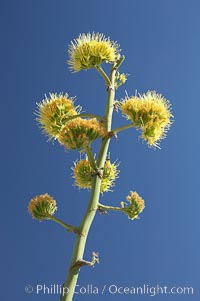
column 120, row 61
column 80, row 241
column 101, row 206
column 64, row 225
column 122, row 128
column 90, row 157
column 86, row 115
column 104, row 75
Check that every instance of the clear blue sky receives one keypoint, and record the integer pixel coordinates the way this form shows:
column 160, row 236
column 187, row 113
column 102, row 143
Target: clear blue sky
column 161, row 42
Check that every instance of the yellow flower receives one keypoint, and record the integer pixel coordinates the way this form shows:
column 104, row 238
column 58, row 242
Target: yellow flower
column 79, row 132
column 136, row 205
column 53, row 113
column 150, row 113
column 83, row 173
column 110, row 173
column 91, row 50
column 42, row 207
column 120, row 79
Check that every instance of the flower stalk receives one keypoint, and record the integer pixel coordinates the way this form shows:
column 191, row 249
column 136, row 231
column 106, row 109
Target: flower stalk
column 102, row 207
column 104, row 75
column 79, row 245
column 61, row 120
column 86, row 115
column 121, row 128
column 68, row 227
column 90, row 157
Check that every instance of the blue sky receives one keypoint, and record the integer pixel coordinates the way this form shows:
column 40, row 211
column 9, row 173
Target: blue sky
column 161, row 42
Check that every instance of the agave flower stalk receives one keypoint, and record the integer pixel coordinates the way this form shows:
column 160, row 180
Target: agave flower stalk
column 91, row 210
column 61, row 120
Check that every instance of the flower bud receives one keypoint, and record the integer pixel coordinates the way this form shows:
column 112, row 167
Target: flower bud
column 79, row 132
column 42, row 207
column 91, row 50
column 136, row 205
column 54, row 112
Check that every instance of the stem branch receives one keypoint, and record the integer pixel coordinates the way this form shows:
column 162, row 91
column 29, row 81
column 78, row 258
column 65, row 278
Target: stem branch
column 104, row 75
column 104, row 207
column 64, row 225
column 120, row 61
column 122, row 128
column 90, row 157
column 86, row 115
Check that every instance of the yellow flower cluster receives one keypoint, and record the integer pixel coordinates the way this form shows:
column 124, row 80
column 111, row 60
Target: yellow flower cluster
column 136, row 205
column 91, row 50
column 42, row 206
column 83, row 173
column 120, row 79
column 53, row 113
column 80, row 132
column 150, row 113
